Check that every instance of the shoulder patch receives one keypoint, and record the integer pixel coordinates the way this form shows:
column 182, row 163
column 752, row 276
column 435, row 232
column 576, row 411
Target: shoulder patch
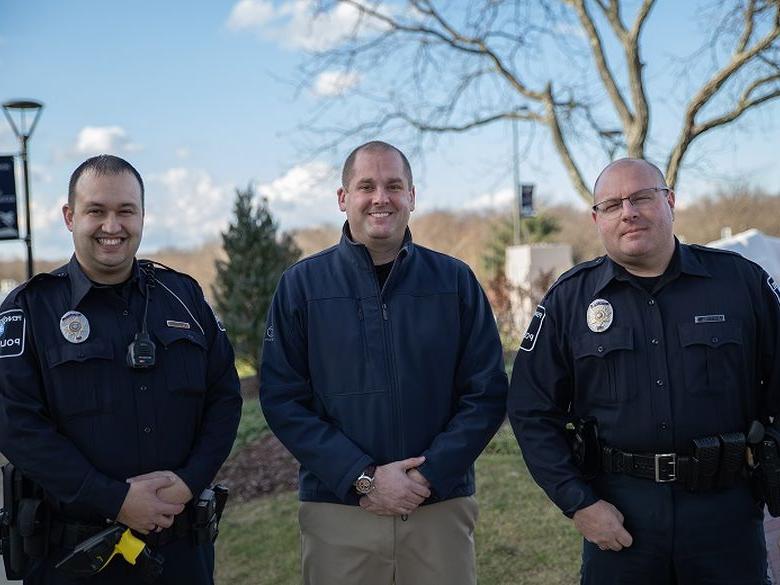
column 12, row 333
column 774, row 287
column 534, row 328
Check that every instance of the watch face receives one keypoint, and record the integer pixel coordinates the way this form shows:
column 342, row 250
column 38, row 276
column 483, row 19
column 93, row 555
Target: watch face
column 363, row 485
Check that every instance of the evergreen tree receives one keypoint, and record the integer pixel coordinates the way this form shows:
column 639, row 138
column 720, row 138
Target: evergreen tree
column 256, row 257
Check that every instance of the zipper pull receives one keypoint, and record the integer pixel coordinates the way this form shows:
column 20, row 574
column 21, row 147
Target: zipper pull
column 384, row 311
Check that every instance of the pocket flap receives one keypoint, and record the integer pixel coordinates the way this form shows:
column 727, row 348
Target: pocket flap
column 602, row 344
column 710, row 334
column 79, row 352
column 170, row 335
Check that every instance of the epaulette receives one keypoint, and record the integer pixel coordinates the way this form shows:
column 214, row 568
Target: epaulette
column 146, row 263
column 571, row 272
column 714, row 250
column 33, row 282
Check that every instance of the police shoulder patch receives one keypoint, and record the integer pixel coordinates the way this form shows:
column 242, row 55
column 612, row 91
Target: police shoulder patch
column 12, row 333
column 774, row 287
column 534, row 328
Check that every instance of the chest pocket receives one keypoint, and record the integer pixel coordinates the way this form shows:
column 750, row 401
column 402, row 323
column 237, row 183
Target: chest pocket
column 712, row 356
column 81, row 376
column 182, row 355
column 604, row 365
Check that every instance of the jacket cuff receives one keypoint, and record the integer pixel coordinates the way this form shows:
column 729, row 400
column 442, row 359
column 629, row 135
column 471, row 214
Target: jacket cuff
column 105, row 495
column 574, row 496
column 346, row 483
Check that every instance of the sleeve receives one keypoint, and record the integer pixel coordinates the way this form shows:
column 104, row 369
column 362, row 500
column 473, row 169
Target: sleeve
column 28, row 434
column 221, row 410
column 288, row 401
column 480, row 387
column 538, row 408
column 769, row 342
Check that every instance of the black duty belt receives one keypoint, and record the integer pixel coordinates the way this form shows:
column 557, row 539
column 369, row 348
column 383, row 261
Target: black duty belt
column 68, row 534
column 714, row 462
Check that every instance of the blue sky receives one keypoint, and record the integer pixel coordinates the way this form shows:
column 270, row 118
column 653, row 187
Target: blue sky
column 203, row 97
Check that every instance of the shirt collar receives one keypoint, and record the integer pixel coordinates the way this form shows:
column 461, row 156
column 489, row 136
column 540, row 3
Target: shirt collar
column 360, row 251
column 683, row 261
column 80, row 284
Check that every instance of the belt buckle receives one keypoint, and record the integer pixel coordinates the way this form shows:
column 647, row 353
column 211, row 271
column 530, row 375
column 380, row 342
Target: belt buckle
column 665, row 467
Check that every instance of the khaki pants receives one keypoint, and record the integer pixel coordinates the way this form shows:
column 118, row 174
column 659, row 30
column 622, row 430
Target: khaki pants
column 346, row 545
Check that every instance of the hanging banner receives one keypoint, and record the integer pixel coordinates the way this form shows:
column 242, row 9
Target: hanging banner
column 9, row 225
column 527, row 200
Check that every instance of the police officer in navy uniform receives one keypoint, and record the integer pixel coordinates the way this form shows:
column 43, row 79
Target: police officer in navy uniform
column 672, row 349
column 118, row 391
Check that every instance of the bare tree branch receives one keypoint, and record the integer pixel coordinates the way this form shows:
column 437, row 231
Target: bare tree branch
column 691, row 130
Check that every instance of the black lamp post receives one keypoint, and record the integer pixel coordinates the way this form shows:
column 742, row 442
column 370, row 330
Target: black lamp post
column 25, row 109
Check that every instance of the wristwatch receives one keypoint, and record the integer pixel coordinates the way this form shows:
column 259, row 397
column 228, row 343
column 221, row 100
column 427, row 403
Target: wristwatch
column 365, row 482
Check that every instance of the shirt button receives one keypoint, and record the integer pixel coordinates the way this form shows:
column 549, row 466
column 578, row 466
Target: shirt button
column 651, row 302
column 715, row 340
column 664, row 426
column 654, row 341
column 600, row 348
column 148, row 430
column 125, row 312
column 659, row 383
column 142, row 387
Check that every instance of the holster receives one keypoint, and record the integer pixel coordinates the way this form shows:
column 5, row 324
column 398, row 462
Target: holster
column 583, row 437
column 24, row 522
column 766, row 469
column 207, row 512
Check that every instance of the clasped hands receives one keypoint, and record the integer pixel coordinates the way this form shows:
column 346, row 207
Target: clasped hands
column 399, row 488
column 153, row 500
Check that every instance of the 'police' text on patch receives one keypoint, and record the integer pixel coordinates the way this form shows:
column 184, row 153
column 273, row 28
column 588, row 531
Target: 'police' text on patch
column 535, row 327
column 12, row 330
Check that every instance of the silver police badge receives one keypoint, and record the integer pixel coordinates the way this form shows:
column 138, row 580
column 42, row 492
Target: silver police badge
column 599, row 315
column 74, row 327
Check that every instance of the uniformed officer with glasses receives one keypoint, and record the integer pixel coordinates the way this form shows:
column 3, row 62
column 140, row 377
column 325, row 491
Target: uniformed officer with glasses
column 670, row 348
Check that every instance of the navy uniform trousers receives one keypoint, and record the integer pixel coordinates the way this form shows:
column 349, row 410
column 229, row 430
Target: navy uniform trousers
column 680, row 538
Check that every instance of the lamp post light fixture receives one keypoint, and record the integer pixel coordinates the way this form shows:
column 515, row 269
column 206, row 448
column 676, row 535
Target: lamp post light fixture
column 25, row 109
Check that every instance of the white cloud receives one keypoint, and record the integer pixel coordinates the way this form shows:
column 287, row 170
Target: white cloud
column 301, row 24
column 304, row 195
column 45, row 217
column 185, row 207
column 250, row 14
column 93, row 140
column 495, row 200
column 334, row 83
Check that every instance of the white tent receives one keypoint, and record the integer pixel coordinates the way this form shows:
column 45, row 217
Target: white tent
column 756, row 246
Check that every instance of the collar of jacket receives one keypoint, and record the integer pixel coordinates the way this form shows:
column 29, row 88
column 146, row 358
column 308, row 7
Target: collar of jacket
column 80, row 284
column 687, row 262
column 358, row 254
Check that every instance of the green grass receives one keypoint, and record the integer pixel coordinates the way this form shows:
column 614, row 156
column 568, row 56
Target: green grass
column 522, row 539
column 252, row 425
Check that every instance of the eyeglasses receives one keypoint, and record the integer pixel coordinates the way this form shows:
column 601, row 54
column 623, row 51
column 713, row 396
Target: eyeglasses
column 612, row 207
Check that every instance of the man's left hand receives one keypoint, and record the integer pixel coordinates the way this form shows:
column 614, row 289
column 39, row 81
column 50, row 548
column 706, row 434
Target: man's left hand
column 176, row 493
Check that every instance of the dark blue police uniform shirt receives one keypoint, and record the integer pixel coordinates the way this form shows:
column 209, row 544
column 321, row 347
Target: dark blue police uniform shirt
column 79, row 421
column 693, row 357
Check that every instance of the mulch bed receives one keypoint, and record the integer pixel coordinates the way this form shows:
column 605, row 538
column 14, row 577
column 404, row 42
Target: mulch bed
column 261, row 468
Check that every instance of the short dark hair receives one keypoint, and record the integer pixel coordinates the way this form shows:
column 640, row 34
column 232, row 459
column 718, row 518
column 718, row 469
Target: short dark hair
column 103, row 164
column 346, row 172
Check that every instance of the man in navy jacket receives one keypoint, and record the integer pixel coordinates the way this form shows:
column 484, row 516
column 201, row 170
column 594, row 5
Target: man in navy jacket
column 382, row 373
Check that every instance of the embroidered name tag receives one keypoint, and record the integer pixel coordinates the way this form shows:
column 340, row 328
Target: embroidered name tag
column 709, row 318
column 178, row 324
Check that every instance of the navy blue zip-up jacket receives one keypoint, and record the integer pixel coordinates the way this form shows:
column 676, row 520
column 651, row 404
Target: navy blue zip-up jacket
column 77, row 420
column 353, row 375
